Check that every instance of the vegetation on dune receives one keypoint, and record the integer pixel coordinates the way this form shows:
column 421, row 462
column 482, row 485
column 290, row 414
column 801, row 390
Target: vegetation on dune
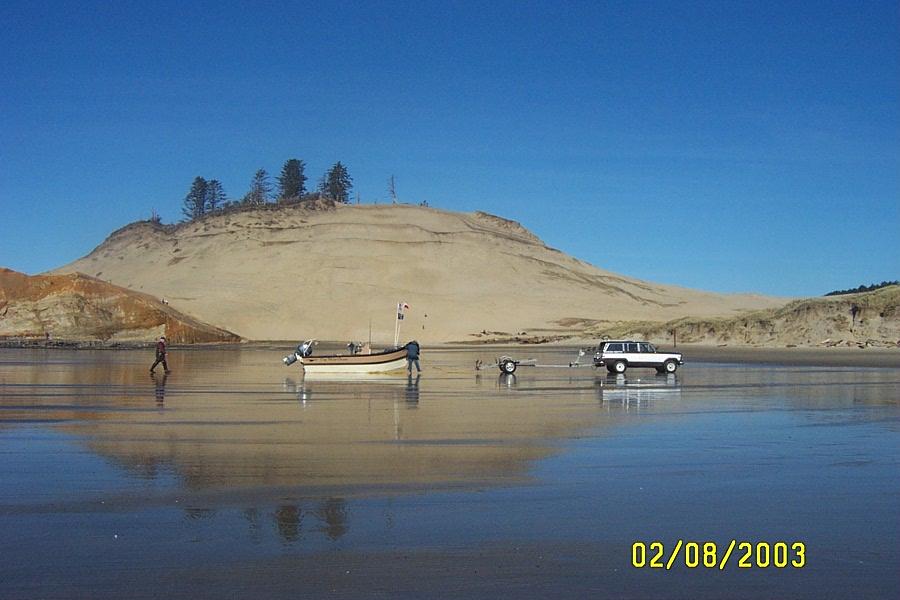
column 863, row 288
column 206, row 196
column 335, row 185
column 292, row 181
column 862, row 318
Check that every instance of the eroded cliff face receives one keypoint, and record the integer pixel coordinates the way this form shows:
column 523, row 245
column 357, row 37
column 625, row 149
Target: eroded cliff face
column 863, row 319
column 76, row 306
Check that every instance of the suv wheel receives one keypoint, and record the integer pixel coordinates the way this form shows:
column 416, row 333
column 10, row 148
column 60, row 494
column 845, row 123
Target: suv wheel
column 620, row 366
column 670, row 366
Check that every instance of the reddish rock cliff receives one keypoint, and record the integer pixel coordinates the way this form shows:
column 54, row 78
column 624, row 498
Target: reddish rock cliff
column 79, row 307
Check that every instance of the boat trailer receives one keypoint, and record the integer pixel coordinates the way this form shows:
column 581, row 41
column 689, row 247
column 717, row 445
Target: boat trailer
column 508, row 364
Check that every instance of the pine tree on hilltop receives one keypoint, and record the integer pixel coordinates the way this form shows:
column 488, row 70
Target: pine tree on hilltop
column 215, row 195
column 337, row 183
column 195, row 201
column 292, row 181
column 260, row 188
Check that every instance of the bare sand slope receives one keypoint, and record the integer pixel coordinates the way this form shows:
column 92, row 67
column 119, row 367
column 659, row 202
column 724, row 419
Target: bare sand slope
column 333, row 271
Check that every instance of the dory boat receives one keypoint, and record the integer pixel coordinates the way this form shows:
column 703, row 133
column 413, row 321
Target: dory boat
column 355, row 362
column 379, row 362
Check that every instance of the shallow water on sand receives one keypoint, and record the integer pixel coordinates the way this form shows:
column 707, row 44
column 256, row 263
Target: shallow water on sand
column 236, row 477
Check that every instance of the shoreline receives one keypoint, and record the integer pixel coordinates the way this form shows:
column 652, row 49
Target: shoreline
column 881, row 357
column 867, row 356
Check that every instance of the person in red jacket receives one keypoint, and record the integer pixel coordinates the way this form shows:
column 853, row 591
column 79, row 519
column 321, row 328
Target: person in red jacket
column 161, row 355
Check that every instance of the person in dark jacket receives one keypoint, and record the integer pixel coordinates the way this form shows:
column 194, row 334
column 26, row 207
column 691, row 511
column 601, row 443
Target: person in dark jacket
column 161, row 355
column 412, row 356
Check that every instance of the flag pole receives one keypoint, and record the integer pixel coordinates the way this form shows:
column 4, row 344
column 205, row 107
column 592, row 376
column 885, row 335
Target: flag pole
column 400, row 308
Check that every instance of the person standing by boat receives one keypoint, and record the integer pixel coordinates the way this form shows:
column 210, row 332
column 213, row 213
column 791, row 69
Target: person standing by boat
column 412, row 356
column 161, row 355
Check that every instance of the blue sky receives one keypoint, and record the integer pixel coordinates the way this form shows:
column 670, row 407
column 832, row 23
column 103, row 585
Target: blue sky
column 725, row 146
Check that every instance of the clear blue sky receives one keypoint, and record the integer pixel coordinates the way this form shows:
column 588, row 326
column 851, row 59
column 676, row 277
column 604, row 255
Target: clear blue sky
column 725, row 146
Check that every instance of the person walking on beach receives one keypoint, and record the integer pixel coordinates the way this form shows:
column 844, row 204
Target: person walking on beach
column 161, row 355
column 412, row 356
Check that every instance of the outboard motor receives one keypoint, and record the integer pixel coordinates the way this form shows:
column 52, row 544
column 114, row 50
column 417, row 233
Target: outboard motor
column 303, row 350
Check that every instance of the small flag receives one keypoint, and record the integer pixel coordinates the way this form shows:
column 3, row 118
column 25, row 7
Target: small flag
column 402, row 305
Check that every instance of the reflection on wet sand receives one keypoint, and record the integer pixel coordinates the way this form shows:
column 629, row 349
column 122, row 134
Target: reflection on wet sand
column 330, row 517
column 160, row 388
column 245, row 431
column 617, row 391
column 234, row 470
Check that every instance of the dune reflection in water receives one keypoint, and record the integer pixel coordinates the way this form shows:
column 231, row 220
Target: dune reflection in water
column 234, row 460
column 229, row 418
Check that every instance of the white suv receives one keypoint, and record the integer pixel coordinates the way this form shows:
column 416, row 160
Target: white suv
column 618, row 355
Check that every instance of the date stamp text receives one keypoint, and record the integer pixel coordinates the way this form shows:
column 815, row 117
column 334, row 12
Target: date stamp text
column 746, row 555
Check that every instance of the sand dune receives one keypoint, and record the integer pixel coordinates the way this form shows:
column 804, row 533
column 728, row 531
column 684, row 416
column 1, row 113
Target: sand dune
column 338, row 271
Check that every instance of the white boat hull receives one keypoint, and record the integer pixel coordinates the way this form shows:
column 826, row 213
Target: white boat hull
column 394, row 365
column 382, row 362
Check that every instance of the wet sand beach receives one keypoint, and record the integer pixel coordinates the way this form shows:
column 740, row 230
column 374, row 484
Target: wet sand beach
column 236, row 477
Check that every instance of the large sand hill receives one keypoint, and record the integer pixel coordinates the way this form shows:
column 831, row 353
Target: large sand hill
column 338, row 271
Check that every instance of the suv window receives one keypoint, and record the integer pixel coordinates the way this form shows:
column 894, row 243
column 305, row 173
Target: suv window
column 631, row 347
column 614, row 348
column 645, row 347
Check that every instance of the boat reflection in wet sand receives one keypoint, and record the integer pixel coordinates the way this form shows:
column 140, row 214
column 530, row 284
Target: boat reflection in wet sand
column 379, row 362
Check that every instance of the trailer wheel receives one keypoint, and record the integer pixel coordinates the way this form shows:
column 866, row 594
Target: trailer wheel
column 508, row 366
